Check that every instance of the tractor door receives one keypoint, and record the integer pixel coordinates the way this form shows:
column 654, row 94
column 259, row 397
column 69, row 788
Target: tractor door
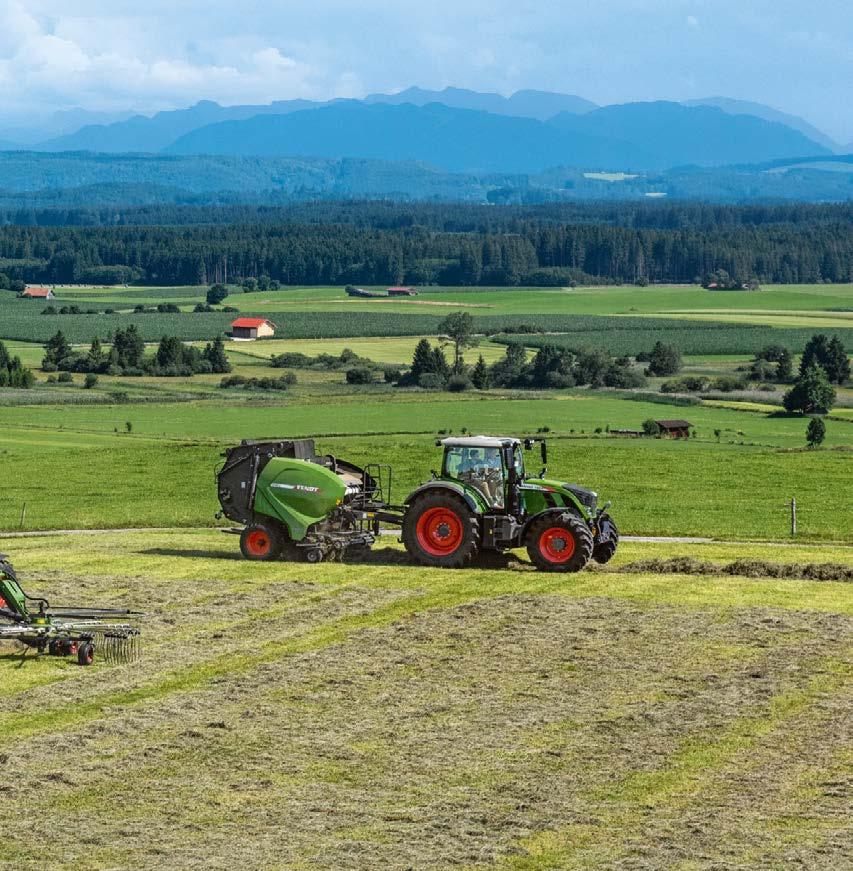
column 480, row 468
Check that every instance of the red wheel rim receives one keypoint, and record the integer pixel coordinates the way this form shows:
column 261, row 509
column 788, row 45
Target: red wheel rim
column 258, row 543
column 440, row 531
column 557, row 545
column 89, row 655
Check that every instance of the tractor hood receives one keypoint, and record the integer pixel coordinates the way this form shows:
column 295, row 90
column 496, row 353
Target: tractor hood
column 587, row 498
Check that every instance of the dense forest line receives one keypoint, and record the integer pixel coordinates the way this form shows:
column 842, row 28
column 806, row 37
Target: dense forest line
column 451, row 245
column 441, row 217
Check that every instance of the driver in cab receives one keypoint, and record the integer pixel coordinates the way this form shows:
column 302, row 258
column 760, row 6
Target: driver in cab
column 482, row 467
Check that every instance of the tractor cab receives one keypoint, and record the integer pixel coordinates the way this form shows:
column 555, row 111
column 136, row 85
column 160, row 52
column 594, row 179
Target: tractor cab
column 492, row 466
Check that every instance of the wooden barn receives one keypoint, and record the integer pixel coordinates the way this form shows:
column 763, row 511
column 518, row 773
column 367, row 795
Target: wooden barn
column 674, row 429
column 252, row 328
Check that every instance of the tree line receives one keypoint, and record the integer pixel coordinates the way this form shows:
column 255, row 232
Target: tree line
column 525, row 250
column 443, row 217
column 126, row 356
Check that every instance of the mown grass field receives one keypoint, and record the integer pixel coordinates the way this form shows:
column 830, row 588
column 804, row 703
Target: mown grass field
column 385, row 716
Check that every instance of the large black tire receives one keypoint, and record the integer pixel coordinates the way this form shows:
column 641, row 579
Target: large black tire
column 559, row 542
column 440, row 530
column 608, row 533
column 261, row 542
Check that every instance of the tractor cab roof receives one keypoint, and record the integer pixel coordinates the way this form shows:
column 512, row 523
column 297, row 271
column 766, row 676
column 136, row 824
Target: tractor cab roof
column 480, row 441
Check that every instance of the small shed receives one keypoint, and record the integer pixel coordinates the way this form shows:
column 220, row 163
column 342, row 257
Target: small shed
column 402, row 291
column 252, row 328
column 674, row 429
column 32, row 292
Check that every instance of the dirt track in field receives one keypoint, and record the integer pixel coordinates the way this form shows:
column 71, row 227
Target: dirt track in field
column 639, row 736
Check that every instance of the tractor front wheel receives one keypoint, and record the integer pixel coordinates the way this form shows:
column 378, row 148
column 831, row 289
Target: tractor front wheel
column 607, row 540
column 559, row 543
column 261, row 541
column 439, row 530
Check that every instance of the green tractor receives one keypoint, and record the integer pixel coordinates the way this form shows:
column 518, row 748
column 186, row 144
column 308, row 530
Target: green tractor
column 483, row 499
column 295, row 503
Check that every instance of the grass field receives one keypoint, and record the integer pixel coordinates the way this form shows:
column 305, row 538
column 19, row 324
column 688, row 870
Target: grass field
column 394, row 717
column 386, row 410
column 73, row 470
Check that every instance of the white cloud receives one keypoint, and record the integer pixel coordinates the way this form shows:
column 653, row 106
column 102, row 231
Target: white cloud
column 40, row 69
column 121, row 54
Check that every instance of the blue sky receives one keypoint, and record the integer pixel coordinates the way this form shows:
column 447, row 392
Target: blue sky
column 144, row 56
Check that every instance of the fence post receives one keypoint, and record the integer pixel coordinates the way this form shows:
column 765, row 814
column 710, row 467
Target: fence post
column 793, row 516
column 23, row 514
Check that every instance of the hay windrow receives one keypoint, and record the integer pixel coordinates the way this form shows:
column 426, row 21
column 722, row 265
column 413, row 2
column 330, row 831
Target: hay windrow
column 742, row 568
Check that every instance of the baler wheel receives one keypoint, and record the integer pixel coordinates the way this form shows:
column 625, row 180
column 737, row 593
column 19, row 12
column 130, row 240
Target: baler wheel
column 559, row 543
column 261, row 542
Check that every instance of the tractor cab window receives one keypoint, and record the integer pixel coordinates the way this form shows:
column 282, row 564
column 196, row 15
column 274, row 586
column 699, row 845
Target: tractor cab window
column 478, row 467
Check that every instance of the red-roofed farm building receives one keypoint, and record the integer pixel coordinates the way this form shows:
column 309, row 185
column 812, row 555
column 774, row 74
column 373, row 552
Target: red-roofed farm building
column 252, row 328
column 37, row 293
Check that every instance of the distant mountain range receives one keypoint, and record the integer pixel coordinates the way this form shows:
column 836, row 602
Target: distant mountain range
column 541, row 105
column 75, row 130
column 32, row 131
column 421, row 144
column 625, row 138
column 759, row 110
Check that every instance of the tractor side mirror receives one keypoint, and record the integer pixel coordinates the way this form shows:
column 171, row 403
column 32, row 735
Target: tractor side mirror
column 528, row 444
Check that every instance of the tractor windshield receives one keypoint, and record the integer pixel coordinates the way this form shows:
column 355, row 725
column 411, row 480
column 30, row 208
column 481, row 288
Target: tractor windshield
column 478, row 467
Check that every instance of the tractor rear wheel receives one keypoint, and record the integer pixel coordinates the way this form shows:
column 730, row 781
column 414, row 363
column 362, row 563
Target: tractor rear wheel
column 261, row 541
column 440, row 530
column 609, row 535
column 559, row 543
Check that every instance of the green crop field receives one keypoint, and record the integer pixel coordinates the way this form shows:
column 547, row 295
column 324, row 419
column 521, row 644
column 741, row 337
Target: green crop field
column 389, row 717
column 586, row 316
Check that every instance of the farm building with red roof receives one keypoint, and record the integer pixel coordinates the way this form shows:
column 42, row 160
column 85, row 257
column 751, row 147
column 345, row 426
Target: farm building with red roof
column 252, row 328
column 37, row 293
column 402, row 291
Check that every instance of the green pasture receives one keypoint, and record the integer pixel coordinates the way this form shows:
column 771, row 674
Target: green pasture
column 623, row 300
column 392, row 410
column 72, row 470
